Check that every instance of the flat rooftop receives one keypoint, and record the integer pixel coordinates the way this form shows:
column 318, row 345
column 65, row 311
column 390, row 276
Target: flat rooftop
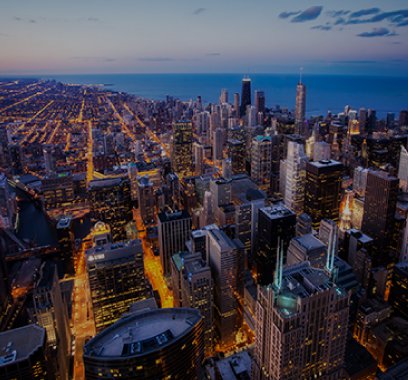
column 144, row 333
column 18, row 344
column 106, row 253
column 277, row 211
column 325, row 163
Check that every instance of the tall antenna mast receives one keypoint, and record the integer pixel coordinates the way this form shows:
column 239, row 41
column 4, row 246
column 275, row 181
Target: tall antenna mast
column 300, row 75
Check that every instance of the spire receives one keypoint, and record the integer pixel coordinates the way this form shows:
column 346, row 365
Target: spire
column 279, row 265
column 300, row 75
column 331, row 249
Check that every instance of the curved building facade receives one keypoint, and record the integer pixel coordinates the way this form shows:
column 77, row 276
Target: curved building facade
column 154, row 344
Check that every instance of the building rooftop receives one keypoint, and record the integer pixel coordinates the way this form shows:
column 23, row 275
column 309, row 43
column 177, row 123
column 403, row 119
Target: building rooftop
column 277, row 211
column 309, row 242
column 64, row 222
column 143, row 333
column 235, row 367
column 106, row 253
column 175, row 215
column 325, row 163
column 18, row 344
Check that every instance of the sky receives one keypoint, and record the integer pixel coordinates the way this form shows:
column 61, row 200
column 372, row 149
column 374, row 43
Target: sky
column 204, row 36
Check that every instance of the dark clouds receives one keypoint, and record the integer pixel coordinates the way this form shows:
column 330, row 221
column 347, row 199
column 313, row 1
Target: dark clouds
column 377, row 32
column 365, row 12
column 285, row 15
column 322, row 27
column 199, row 11
column 309, row 14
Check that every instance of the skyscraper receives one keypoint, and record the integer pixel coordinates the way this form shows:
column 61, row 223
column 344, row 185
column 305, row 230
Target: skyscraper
column 182, row 148
column 8, row 207
column 226, row 258
column 301, row 324
column 403, row 169
column 148, row 345
column 217, row 144
column 294, row 176
column 145, row 193
column 236, row 104
column 275, row 223
column 261, row 161
column 379, row 208
column 259, row 101
column 22, row 353
column 174, row 231
column 224, row 96
column 322, row 190
column 300, row 103
column 237, row 154
column 245, row 95
column 116, row 280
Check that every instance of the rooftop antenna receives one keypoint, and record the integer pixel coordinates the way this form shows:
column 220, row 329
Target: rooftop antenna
column 331, row 250
column 279, row 266
column 300, row 75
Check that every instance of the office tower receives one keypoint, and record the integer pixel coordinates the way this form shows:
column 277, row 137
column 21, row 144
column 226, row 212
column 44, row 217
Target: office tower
column 251, row 116
column 57, row 190
column 300, row 113
column 307, row 248
column 259, row 101
column 16, row 159
column 301, row 323
column 49, row 158
column 346, row 214
column 226, row 259
column 322, row 190
column 4, row 148
column 237, row 154
column 116, row 280
column 145, row 193
column 403, row 169
column 182, row 148
column 148, row 345
column 379, row 209
column 398, row 297
column 22, row 354
column 360, row 181
column 371, row 120
column 275, row 223
column 8, row 206
column 362, row 119
column 403, row 118
column 101, row 234
column 49, row 311
column 192, row 282
column 321, row 151
column 132, row 174
column 390, row 120
column 226, row 168
column 207, row 216
column 174, row 230
column 404, row 245
column 245, row 95
column 66, row 241
column 217, row 144
column 198, row 158
column 293, row 179
column 236, row 104
column 326, row 229
column 261, row 161
column 224, row 96
column 221, row 192
column 111, row 203
column 202, row 126
column 303, row 224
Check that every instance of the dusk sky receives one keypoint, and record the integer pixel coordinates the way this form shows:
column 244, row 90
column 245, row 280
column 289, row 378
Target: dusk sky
column 173, row 36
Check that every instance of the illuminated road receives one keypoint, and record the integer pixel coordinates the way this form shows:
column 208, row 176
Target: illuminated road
column 53, row 133
column 152, row 265
column 23, row 100
column 81, row 112
column 82, row 313
column 125, row 128
column 90, row 166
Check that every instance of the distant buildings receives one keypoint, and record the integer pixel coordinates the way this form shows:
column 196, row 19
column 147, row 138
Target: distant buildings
column 182, row 148
column 148, row 345
column 300, row 113
column 261, row 162
column 245, row 95
column 146, row 199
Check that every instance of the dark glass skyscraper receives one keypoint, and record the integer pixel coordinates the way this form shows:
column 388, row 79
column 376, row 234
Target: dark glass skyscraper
column 246, row 95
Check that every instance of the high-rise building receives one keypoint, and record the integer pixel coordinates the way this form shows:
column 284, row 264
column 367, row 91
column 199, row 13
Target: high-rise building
column 403, row 169
column 321, row 151
column 398, row 297
column 237, row 154
column 66, row 241
column 116, row 280
column 111, row 203
column 57, row 190
column 307, row 248
column 224, row 96
column 174, row 230
column 182, row 148
column 4, row 147
column 300, row 103
column 198, row 158
column 226, row 259
column 8, row 206
column 259, row 101
column 245, row 95
column 301, row 324
column 275, row 223
column 261, row 161
column 322, row 190
column 192, row 287
column 293, row 177
column 379, row 208
column 148, row 345
column 217, row 144
column 236, row 104
column 22, row 354
column 49, row 158
column 50, row 312
column 146, row 199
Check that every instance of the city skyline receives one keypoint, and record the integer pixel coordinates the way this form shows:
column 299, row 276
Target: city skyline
column 158, row 37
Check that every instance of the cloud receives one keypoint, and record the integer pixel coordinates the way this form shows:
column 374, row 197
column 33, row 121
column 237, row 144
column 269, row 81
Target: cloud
column 156, row 59
column 288, row 14
column 93, row 19
column 98, row 59
column 199, row 11
column 377, row 32
column 17, row 18
column 32, row 21
column 215, row 54
column 365, row 12
column 322, row 27
column 339, row 13
column 309, row 14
